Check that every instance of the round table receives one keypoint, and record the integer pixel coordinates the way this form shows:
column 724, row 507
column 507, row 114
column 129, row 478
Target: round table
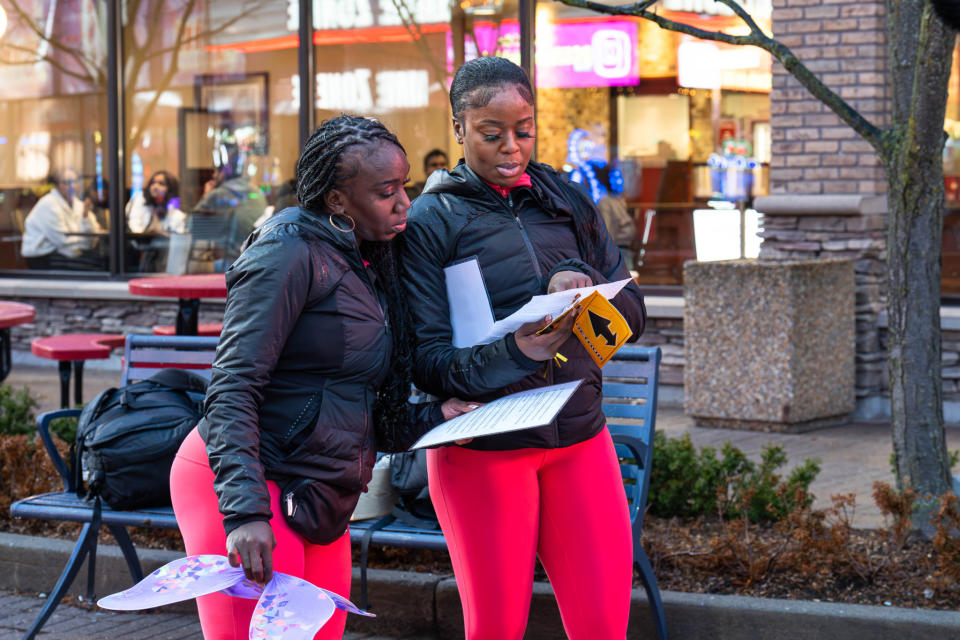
column 188, row 289
column 11, row 315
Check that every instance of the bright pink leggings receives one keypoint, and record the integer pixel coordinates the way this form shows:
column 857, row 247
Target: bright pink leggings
column 195, row 503
column 501, row 509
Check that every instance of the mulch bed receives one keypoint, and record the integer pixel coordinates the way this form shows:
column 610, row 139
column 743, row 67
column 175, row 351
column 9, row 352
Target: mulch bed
column 708, row 556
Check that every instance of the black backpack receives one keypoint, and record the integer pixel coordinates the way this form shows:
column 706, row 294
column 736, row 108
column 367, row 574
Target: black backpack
column 408, row 477
column 127, row 438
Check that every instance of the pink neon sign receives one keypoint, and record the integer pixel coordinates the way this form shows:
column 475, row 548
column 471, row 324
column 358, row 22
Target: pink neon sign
column 587, row 54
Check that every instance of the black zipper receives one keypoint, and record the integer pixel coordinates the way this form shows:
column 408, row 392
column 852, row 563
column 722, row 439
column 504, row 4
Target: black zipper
column 526, row 238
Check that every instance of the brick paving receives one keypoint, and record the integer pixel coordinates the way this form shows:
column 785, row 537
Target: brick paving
column 68, row 622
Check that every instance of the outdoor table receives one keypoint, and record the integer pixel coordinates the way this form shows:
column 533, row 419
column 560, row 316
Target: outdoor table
column 188, row 289
column 11, row 315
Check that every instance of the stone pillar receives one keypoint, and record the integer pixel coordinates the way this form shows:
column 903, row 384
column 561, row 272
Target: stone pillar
column 827, row 186
column 769, row 345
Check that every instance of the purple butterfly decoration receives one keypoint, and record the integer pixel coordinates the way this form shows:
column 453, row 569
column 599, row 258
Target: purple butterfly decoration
column 287, row 607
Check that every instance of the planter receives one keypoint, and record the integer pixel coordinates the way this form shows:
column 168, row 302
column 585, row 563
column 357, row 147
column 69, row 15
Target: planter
column 769, row 345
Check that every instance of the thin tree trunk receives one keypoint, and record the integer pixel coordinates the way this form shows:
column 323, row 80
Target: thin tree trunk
column 920, row 55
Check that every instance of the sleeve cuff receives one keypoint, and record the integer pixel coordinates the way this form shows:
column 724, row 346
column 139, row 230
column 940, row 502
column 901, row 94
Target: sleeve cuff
column 518, row 356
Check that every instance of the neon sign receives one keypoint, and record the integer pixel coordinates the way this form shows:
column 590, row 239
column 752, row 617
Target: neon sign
column 590, row 54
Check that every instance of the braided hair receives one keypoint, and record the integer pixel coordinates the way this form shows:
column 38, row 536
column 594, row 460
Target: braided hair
column 474, row 85
column 323, row 166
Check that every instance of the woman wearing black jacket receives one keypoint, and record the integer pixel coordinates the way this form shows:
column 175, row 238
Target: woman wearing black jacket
column 555, row 491
column 313, row 353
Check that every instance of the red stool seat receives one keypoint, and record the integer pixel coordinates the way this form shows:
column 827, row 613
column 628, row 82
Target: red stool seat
column 203, row 329
column 73, row 349
column 76, row 346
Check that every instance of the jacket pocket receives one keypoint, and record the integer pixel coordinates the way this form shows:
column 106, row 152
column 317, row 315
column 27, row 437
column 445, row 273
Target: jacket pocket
column 304, row 422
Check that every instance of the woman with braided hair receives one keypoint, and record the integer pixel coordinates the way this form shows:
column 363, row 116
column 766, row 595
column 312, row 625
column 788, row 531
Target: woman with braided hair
column 314, row 351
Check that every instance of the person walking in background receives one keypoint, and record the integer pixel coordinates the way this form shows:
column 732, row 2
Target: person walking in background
column 314, row 352
column 156, row 209
column 53, row 230
column 616, row 215
column 554, row 491
column 434, row 160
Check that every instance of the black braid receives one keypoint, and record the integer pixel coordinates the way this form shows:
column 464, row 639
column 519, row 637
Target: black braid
column 392, row 409
column 322, row 167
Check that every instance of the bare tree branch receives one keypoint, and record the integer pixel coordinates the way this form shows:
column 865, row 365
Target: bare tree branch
column 870, row 132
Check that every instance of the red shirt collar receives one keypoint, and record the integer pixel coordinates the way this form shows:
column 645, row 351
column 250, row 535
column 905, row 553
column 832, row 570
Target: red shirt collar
column 523, row 181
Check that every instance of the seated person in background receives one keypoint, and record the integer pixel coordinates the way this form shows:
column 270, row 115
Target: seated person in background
column 47, row 240
column 285, row 196
column 232, row 192
column 95, row 202
column 156, row 209
column 616, row 215
column 435, row 159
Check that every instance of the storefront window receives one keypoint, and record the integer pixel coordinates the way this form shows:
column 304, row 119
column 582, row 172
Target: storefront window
column 52, row 141
column 211, row 124
column 950, row 275
column 394, row 61
column 673, row 129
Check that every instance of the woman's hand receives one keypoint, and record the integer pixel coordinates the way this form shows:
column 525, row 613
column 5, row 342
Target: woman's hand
column 563, row 280
column 456, row 407
column 544, row 347
column 251, row 545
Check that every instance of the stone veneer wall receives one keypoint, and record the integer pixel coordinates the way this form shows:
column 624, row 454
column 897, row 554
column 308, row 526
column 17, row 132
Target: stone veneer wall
column 55, row 316
column 815, row 155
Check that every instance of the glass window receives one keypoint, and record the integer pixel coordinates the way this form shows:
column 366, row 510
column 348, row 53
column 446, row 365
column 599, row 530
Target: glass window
column 394, row 61
column 211, row 127
column 672, row 130
column 950, row 277
column 53, row 117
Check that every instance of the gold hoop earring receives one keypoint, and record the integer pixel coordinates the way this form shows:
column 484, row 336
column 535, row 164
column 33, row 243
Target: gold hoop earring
column 353, row 223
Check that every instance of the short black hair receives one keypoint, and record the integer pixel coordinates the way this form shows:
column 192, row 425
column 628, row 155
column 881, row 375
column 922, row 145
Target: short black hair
column 432, row 154
column 477, row 81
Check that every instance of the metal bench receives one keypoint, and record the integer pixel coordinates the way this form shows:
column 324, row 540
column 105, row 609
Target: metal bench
column 630, row 405
column 143, row 356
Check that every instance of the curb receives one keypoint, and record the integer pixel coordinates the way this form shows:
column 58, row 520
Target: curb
column 425, row 604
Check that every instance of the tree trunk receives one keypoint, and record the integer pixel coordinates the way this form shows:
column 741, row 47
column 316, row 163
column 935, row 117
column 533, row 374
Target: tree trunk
column 920, row 54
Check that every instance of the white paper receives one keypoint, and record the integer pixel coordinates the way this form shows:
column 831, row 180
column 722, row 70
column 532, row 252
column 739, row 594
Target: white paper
column 472, row 319
column 522, row 410
column 470, row 314
column 552, row 304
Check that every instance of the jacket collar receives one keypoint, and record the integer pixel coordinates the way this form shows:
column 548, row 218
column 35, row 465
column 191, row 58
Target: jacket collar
column 545, row 187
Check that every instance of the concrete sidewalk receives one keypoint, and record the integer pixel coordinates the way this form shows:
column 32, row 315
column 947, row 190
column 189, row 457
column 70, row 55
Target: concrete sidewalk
column 852, row 457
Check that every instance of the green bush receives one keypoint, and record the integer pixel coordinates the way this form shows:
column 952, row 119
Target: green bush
column 17, row 411
column 65, row 429
column 685, row 482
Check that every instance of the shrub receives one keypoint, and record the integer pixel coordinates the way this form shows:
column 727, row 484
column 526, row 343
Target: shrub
column 17, row 411
column 685, row 482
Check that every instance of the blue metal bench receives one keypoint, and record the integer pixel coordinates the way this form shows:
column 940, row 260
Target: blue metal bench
column 630, row 403
column 143, row 356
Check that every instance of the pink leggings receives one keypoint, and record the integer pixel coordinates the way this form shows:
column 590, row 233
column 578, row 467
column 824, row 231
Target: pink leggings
column 501, row 509
column 195, row 503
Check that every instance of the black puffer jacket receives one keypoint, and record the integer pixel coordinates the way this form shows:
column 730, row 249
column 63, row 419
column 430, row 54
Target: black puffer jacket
column 304, row 347
column 520, row 242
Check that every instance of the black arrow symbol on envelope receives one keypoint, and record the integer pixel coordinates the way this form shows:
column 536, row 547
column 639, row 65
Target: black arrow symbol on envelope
column 601, row 328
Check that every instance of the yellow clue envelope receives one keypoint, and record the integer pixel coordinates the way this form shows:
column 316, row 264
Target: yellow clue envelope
column 600, row 328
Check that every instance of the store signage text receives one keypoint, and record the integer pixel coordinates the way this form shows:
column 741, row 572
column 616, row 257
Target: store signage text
column 756, row 8
column 353, row 90
column 359, row 14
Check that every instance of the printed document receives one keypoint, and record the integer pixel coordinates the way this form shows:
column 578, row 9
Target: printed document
column 522, row 410
column 472, row 319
